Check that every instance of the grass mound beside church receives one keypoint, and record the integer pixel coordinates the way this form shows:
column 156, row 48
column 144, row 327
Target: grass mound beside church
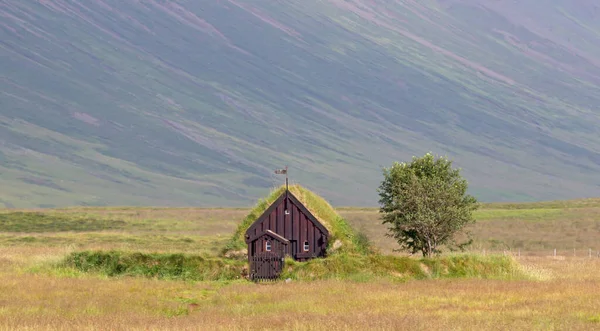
column 339, row 229
column 163, row 266
column 361, row 268
column 402, row 268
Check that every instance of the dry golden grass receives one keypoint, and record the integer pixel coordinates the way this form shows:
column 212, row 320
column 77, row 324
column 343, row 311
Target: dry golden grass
column 563, row 295
column 566, row 298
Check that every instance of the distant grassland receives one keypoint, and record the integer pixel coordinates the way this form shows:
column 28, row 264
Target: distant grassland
column 101, row 248
column 534, row 228
column 190, row 230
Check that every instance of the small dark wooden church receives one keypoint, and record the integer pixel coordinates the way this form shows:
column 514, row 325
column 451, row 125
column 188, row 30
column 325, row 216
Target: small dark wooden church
column 287, row 227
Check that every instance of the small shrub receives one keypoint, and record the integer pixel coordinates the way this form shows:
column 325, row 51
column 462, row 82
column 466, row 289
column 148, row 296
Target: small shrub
column 362, row 243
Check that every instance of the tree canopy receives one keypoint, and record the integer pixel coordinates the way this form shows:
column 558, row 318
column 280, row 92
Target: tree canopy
column 425, row 203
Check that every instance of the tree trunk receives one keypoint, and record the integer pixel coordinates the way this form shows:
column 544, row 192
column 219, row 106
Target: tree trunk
column 427, row 250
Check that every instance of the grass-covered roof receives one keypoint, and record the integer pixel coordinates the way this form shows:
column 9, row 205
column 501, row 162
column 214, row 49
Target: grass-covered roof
column 339, row 229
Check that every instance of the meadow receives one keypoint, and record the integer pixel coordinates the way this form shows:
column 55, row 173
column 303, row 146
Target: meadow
column 554, row 292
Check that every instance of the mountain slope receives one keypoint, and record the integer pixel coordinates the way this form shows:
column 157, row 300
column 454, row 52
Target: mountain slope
column 162, row 102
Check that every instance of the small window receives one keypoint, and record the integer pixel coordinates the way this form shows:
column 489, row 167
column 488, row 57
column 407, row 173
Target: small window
column 268, row 246
column 306, row 246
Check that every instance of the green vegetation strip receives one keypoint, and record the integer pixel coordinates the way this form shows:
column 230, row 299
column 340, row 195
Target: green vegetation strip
column 35, row 222
column 161, row 266
column 369, row 267
column 519, row 214
column 339, row 266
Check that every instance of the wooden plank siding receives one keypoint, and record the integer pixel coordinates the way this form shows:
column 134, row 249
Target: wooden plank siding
column 297, row 227
column 267, row 264
column 277, row 245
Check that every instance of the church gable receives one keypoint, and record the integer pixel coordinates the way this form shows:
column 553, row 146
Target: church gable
column 290, row 219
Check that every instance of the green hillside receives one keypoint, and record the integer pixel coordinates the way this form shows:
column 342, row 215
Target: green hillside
column 109, row 102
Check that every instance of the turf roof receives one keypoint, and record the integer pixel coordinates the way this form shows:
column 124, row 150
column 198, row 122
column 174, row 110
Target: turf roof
column 339, row 229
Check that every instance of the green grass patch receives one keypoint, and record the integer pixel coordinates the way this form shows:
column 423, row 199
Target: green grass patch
column 473, row 266
column 555, row 204
column 518, row 214
column 120, row 241
column 353, row 267
column 375, row 266
column 36, row 222
column 154, row 265
column 594, row 319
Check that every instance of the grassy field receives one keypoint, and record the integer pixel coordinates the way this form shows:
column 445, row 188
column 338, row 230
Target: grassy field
column 559, row 293
column 534, row 229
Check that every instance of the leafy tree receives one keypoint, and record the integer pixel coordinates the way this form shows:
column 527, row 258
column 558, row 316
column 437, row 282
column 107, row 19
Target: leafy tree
column 425, row 204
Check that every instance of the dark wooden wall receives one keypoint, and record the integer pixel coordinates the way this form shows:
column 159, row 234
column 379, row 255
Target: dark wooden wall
column 297, row 227
column 258, row 245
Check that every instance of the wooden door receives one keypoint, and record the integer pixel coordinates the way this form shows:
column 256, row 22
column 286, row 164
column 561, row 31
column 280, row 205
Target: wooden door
column 266, row 266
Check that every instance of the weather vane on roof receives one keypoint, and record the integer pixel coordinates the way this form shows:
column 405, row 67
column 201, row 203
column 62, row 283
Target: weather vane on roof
column 284, row 172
